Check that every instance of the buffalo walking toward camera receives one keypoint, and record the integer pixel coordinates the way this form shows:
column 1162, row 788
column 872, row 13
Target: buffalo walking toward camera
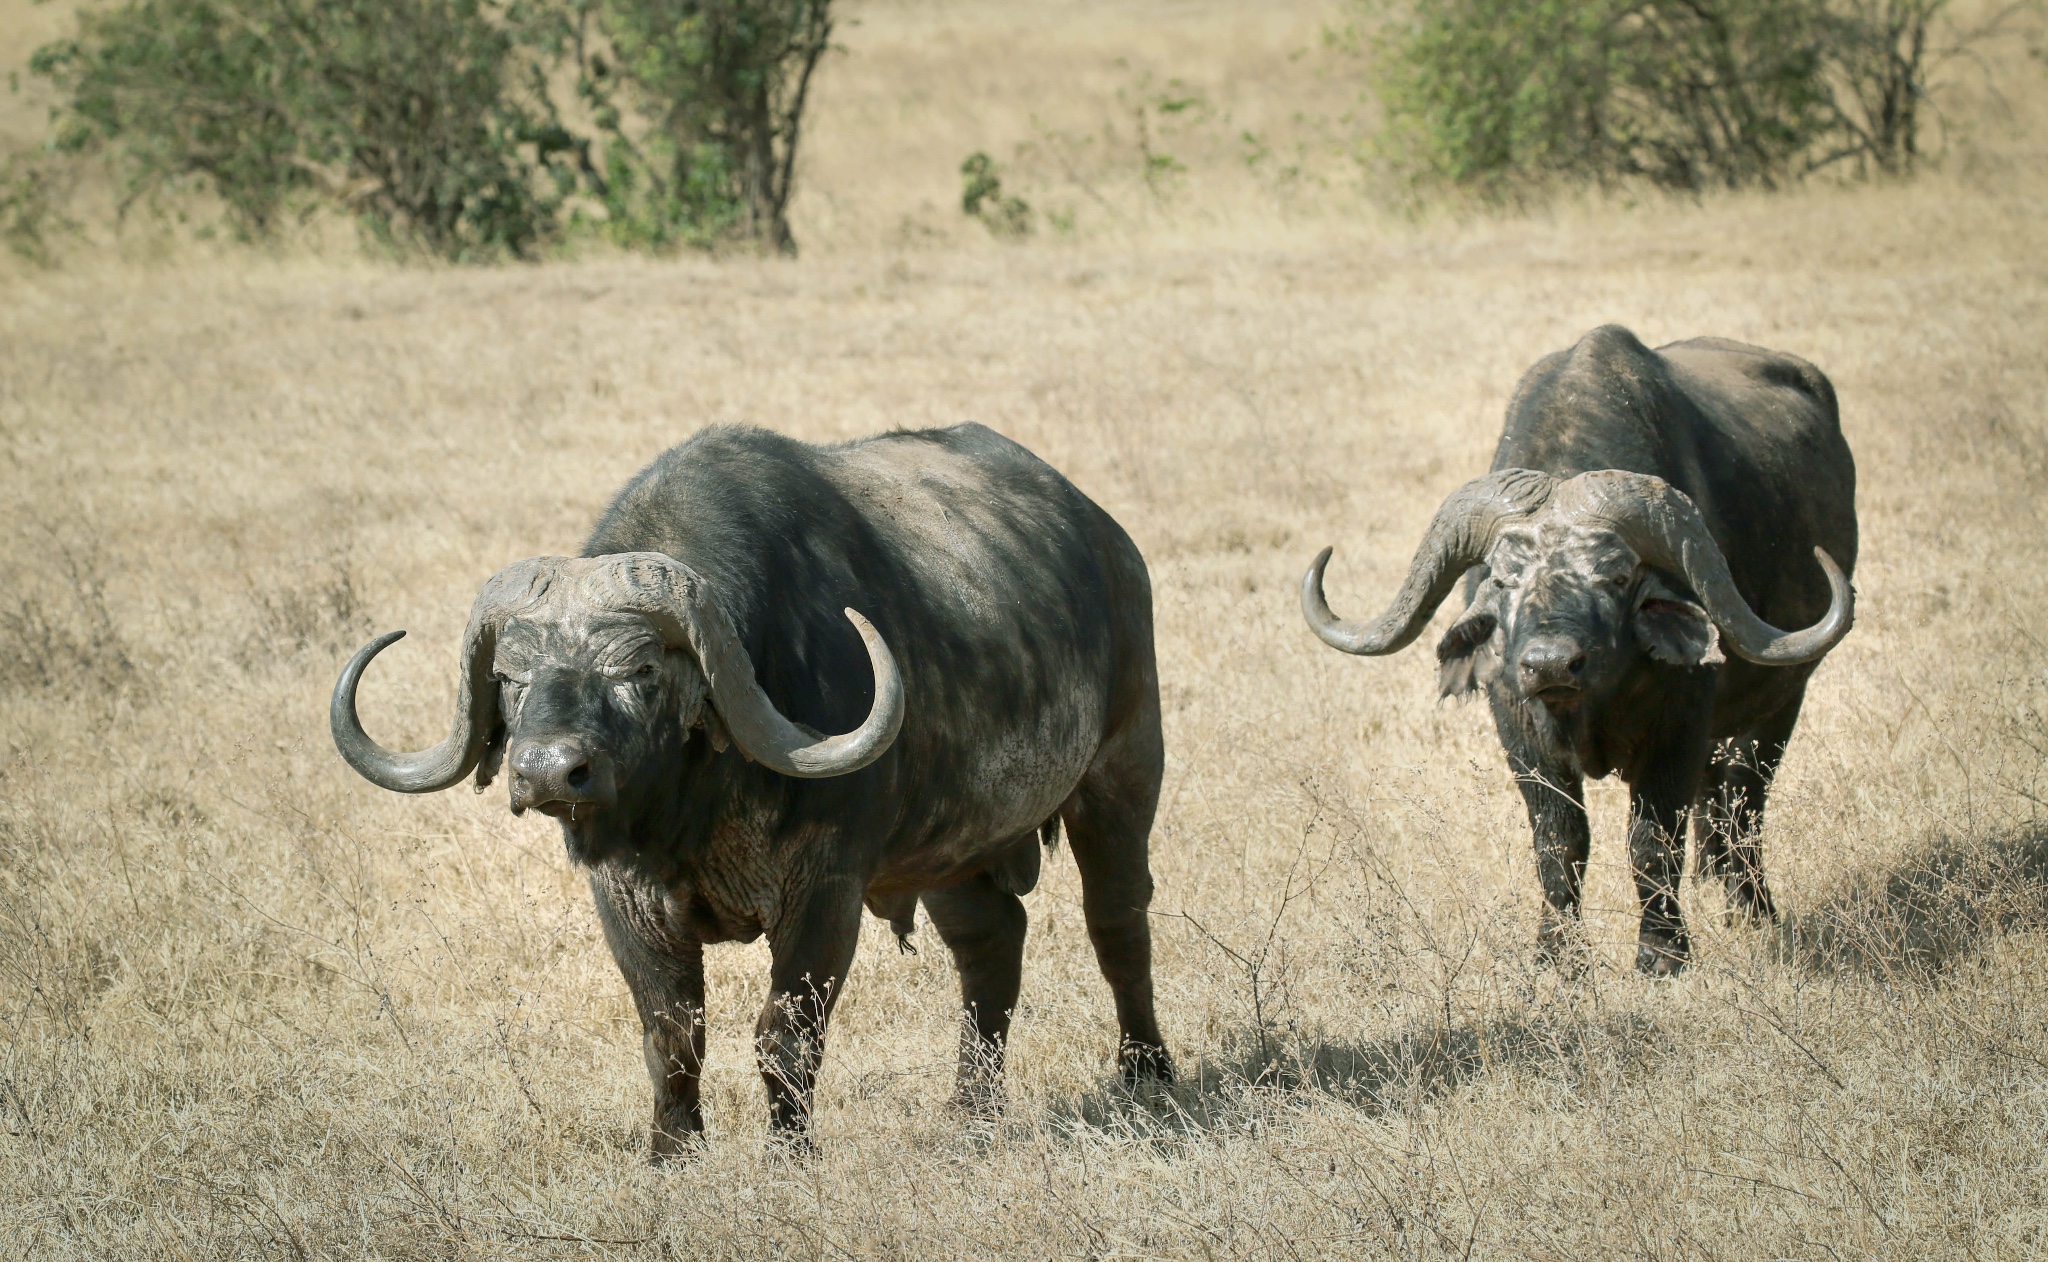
column 664, row 696
column 1639, row 501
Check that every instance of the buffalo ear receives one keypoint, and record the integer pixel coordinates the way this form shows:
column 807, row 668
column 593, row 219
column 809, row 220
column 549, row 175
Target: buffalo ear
column 1674, row 630
column 493, row 757
column 714, row 729
column 695, row 704
column 1457, row 653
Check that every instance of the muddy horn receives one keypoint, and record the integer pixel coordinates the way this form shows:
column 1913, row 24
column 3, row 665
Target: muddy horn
column 1665, row 528
column 1458, row 539
column 678, row 601
column 476, row 700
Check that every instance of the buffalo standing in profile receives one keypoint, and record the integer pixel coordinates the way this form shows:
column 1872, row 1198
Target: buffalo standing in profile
column 662, row 696
column 1639, row 500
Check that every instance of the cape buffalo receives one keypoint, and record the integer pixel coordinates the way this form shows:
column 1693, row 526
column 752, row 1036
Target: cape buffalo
column 663, row 697
column 1639, row 500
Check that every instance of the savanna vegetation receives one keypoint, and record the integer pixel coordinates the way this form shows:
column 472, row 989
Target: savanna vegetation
column 469, row 130
column 1505, row 94
column 479, row 130
column 251, row 1006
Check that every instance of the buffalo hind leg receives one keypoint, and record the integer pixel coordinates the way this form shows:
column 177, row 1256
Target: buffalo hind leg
column 984, row 927
column 665, row 972
column 809, row 961
column 1109, row 827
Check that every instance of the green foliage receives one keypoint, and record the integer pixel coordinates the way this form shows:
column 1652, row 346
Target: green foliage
column 31, row 195
column 700, row 107
column 1688, row 94
column 434, row 121
column 981, row 195
column 405, row 112
column 1154, row 110
column 186, row 90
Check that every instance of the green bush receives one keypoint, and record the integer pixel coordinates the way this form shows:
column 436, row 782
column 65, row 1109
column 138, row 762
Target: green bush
column 404, row 112
column 33, row 188
column 435, row 122
column 700, row 106
column 981, row 196
column 1689, row 94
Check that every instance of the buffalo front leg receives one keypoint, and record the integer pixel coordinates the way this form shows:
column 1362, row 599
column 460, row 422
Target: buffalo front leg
column 1656, row 855
column 1555, row 796
column 811, row 953
column 984, row 927
column 665, row 972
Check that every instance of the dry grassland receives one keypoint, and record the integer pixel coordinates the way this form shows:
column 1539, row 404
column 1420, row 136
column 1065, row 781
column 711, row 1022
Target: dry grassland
column 251, row 1006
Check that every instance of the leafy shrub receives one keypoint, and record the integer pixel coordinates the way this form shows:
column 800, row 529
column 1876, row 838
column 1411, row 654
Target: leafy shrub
column 718, row 88
column 404, row 112
column 1152, row 110
column 1688, row 94
column 434, row 121
column 981, row 196
column 424, row 118
column 32, row 189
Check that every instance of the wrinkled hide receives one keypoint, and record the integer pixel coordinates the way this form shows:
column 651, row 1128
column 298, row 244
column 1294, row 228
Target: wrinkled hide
column 1652, row 519
column 747, row 593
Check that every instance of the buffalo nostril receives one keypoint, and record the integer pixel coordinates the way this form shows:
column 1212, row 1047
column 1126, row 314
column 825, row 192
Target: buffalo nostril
column 560, row 770
column 1552, row 665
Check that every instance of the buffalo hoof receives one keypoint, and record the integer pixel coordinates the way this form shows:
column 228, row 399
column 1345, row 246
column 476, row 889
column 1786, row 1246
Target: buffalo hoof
column 1144, row 1062
column 1560, row 945
column 1661, row 956
column 1749, row 904
column 672, row 1147
column 791, row 1144
column 980, row 1100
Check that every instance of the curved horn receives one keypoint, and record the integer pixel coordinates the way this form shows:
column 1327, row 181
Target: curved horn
column 1458, row 539
column 430, row 770
column 680, row 603
column 1665, row 528
column 476, row 696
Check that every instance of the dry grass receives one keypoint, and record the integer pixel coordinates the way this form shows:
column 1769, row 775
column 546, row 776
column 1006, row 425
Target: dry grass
column 250, row 1006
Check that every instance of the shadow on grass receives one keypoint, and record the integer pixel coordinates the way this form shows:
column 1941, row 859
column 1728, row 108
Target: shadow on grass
column 1906, row 921
column 1578, row 1049
column 1912, row 919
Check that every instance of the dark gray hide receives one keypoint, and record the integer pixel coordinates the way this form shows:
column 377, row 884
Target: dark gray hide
column 1019, row 616
column 1594, row 598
